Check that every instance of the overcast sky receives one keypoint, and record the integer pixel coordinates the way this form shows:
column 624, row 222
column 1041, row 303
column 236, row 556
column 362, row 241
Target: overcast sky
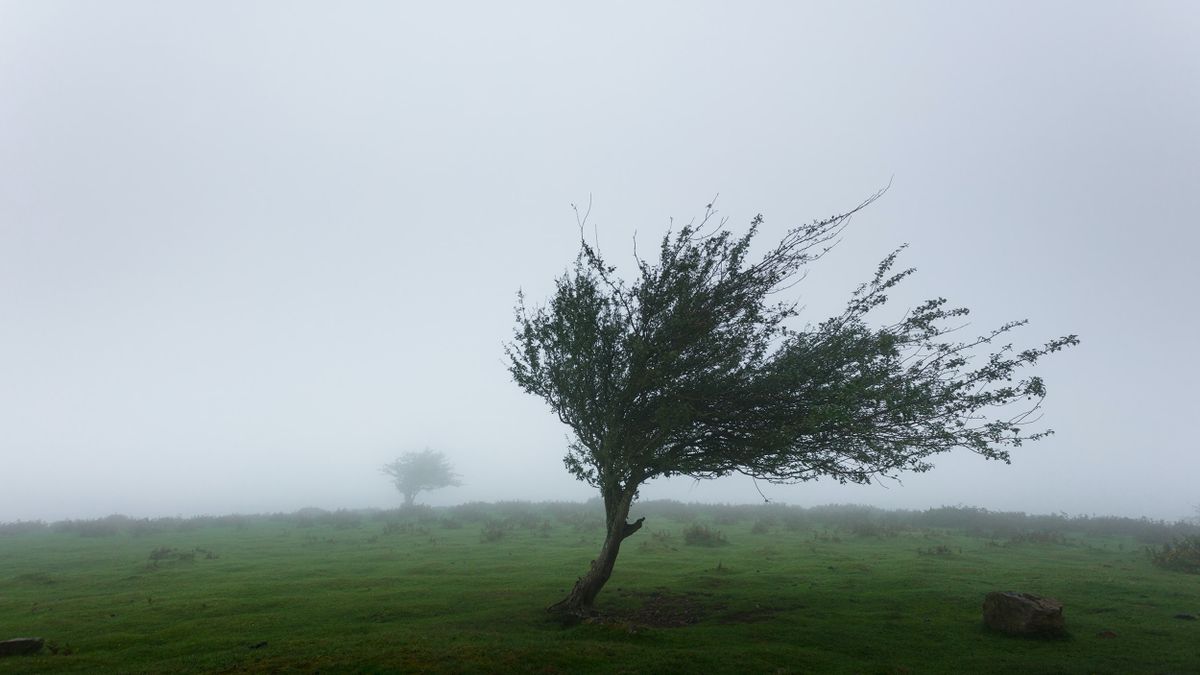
column 250, row 251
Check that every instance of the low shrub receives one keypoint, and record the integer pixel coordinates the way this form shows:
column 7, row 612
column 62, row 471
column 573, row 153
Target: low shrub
column 1038, row 538
column 22, row 527
column 471, row 512
column 659, row 540
column 400, row 527
column 145, row 527
column 163, row 554
column 103, row 527
column 342, row 519
column 701, row 535
column 940, row 550
column 493, row 531
column 1181, row 555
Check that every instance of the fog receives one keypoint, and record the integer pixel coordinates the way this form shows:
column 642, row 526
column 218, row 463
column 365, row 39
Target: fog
column 250, row 252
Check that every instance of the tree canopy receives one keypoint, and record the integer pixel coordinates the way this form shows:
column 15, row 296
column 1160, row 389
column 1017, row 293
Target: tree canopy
column 414, row 472
column 693, row 367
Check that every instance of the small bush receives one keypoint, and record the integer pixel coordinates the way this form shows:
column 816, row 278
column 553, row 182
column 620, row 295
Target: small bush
column 940, row 550
column 103, row 527
column 162, row 553
column 701, row 535
column 234, row 520
column 471, row 512
column 659, row 540
column 1181, row 555
column 760, row 527
column 422, row 513
column 492, row 532
column 404, row 528
column 144, row 528
column 22, row 527
column 1038, row 538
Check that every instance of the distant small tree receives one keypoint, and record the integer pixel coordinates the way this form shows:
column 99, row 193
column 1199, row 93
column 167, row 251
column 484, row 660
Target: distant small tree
column 692, row 369
column 413, row 472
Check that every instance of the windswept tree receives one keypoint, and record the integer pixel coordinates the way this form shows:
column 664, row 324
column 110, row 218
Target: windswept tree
column 692, row 368
column 413, row 472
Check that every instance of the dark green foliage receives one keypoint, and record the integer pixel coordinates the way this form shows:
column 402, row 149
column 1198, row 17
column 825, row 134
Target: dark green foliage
column 1181, row 555
column 692, row 367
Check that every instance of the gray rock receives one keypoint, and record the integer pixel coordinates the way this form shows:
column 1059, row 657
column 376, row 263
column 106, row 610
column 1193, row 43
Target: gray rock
column 1024, row 614
column 17, row 646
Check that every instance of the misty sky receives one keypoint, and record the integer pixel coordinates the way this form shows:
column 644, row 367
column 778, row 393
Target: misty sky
column 250, row 251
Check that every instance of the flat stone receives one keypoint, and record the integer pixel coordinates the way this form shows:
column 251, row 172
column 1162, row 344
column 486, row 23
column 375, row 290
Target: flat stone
column 18, row 646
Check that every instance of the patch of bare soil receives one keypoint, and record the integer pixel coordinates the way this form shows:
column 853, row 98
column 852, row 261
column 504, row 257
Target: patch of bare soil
column 749, row 615
column 661, row 608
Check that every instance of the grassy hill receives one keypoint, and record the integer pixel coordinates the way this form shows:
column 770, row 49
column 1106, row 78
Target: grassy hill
column 706, row 589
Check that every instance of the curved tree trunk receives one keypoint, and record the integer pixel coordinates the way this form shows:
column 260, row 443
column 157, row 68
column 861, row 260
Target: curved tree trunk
column 579, row 601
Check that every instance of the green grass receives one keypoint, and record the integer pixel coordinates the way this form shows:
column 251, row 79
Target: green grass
column 421, row 596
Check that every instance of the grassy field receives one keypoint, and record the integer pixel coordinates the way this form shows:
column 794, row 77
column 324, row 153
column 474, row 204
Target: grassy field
column 463, row 590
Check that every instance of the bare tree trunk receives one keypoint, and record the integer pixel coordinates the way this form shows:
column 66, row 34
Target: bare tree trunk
column 580, row 600
column 409, row 498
